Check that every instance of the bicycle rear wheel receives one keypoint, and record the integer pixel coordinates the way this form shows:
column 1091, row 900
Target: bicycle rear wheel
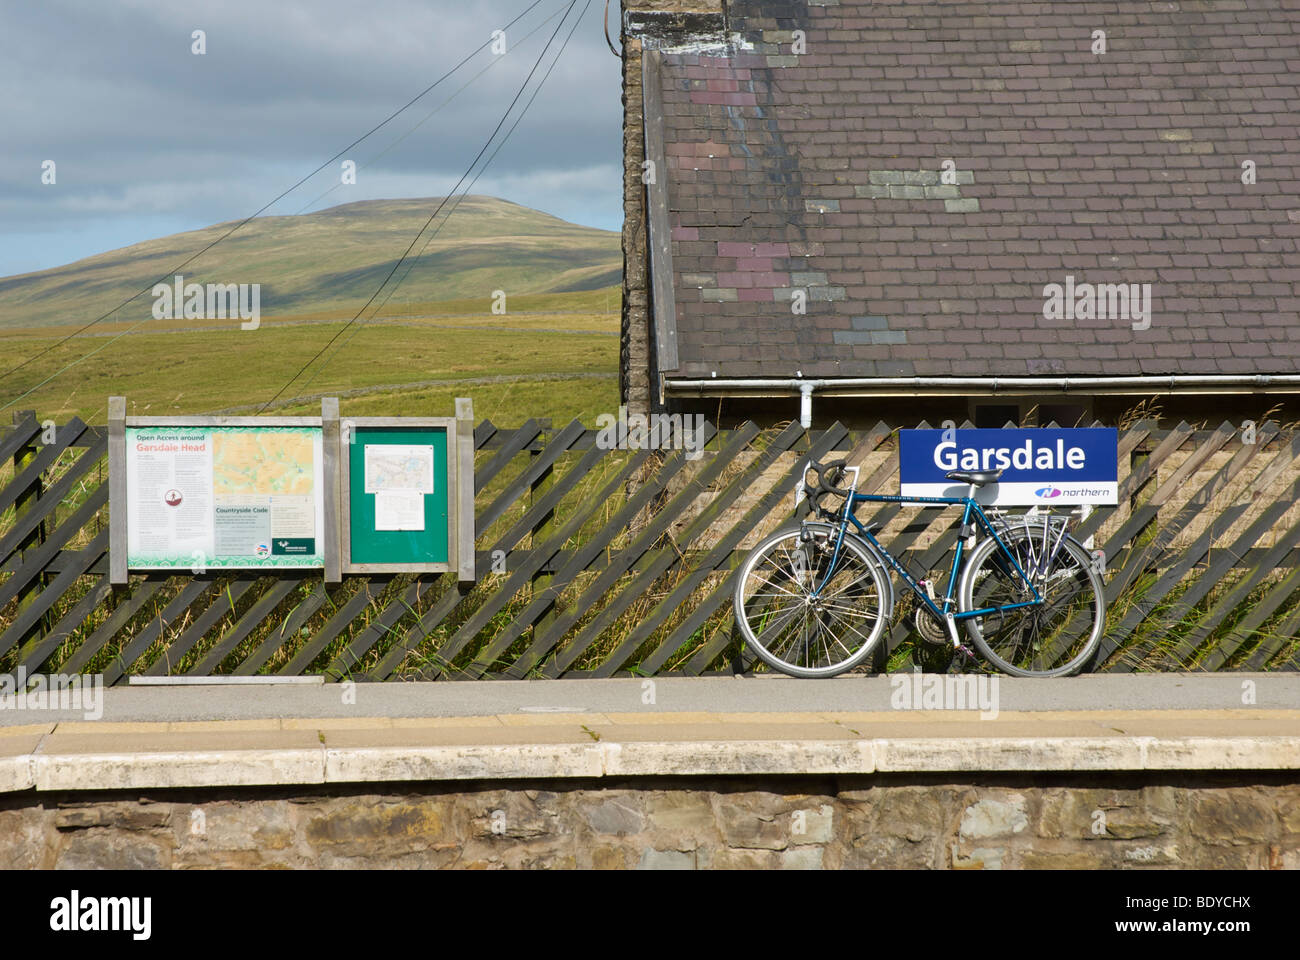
column 800, row 615
column 1055, row 639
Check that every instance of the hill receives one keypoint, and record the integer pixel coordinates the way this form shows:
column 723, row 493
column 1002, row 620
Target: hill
column 333, row 260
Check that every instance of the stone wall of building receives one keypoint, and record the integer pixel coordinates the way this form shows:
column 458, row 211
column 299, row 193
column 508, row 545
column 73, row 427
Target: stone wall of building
column 634, row 378
column 996, row 821
column 633, row 373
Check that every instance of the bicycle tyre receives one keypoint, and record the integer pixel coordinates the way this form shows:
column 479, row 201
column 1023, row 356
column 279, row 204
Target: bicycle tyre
column 858, row 578
column 1028, row 642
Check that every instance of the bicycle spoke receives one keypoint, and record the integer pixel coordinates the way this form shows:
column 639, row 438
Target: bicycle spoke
column 804, row 613
column 1044, row 638
column 851, row 627
column 782, row 622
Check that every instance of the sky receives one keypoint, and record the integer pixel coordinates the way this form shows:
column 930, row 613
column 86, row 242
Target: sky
column 144, row 137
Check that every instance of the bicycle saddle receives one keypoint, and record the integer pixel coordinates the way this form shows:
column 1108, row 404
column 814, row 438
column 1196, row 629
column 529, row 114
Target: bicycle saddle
column 977, row 477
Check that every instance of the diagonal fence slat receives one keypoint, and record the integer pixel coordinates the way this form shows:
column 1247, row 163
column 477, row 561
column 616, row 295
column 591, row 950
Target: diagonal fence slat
column 21, row 434
column 333, row 629
column 39, row 559
column 1143, row 608
column 515, row 444
column 596, row 556
column 581, row 560
column 566, row 655
column 625, row 559
column 424, row 587
column 407, row 602
column 35, row 469
column 36, row 651
column 1251, row 626
column 1148, row 557
column 279, row 636
column 175, row 651
column 523, row 571
column 118, row 619
column 30, row 615
column 523, row 575
column 721, row 594
column 1220, row 567
column 1143, row 558
column 524, row 481
column 1285, row 633
column 715, row 558
column 275, row 594
column 49, row 500
column 1227, row 646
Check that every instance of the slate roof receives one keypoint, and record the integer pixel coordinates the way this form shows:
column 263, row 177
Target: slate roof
column 821, row 171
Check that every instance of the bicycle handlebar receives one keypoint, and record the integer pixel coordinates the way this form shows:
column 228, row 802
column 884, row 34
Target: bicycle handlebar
column 828, row 474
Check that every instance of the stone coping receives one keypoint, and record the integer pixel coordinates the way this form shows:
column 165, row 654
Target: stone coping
column 85, row 756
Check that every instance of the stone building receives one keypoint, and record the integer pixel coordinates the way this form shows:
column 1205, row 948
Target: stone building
column 941, row 208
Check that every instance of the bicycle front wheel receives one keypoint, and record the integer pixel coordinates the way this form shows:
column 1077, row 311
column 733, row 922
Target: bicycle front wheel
column 801, row 614
column 1054, row 639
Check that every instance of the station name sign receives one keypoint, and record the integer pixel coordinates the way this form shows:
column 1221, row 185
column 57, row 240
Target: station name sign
column 1040, row 466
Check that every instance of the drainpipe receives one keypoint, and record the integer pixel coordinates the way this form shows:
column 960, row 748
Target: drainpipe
column 805, row 402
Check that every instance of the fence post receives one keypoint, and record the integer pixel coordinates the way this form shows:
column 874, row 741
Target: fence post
column 26, row 502
column 117, row 530
column 541, row 530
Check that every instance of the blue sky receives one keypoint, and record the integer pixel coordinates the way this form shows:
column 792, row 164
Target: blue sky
column 149, row 138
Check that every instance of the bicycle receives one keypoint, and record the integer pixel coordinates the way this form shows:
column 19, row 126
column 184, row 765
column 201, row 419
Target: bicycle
column 1030, row 596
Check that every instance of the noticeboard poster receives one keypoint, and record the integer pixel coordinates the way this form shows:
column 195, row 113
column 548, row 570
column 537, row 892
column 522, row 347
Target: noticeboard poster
column 224, row 496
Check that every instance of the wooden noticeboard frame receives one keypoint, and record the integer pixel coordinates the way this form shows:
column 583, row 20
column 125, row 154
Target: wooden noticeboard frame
column 457, row 477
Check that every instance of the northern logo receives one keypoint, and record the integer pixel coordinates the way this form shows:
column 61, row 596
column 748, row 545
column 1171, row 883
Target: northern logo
column 1048, row 492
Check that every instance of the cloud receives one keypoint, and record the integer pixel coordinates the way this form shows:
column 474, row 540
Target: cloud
column 145, row 134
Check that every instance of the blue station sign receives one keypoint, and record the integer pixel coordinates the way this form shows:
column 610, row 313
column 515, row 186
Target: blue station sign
column 1040, row 466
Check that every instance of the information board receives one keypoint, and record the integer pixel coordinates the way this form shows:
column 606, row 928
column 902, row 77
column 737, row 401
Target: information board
column 224, row 496
column 1042, row 466
column 362, row 495
column 397, row 495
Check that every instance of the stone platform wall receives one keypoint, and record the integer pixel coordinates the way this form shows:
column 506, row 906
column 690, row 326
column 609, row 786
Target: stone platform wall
column 1183, row 820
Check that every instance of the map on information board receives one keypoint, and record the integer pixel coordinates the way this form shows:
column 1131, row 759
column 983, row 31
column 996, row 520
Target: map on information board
column 394, row 467
column 218, row 496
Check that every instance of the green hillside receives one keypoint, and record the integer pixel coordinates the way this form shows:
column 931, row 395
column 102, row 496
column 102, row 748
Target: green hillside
column 334, row 260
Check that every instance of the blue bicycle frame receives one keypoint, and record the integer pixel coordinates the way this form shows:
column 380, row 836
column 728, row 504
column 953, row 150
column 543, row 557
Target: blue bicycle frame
column 945, row 614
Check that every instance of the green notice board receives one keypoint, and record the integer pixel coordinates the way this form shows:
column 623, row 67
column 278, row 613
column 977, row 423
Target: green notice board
column 399, row 492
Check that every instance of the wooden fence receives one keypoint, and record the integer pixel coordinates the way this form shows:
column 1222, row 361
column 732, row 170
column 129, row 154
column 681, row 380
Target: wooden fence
column 598, row 562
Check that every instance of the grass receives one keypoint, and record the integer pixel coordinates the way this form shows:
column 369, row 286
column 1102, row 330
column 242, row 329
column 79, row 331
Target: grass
column 551, row 355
